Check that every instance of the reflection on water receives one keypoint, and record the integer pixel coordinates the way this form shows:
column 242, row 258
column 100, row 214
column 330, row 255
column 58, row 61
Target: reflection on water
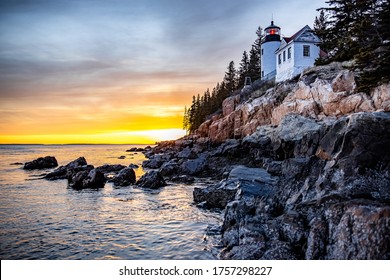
column 42, row 219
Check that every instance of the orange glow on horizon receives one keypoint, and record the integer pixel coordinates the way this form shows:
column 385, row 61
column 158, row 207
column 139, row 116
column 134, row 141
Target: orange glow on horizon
column 131, row 137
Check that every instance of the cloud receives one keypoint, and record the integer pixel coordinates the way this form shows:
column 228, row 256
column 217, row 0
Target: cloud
column 74, row 66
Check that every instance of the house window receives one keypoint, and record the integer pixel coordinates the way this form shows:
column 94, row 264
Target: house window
column 280, row 58
column 306, row 50
column 289, row 53
column 284, row 56
column 262, row 74
column 262, row 51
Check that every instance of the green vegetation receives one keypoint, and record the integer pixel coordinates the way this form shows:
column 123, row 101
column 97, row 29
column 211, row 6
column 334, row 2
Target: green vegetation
column 357, row 30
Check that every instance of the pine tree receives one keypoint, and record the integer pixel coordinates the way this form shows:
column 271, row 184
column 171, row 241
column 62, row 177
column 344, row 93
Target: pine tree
column 254, row 69
column 356, row 29
column 185, row 119
column 320, row 28
column 259, row 39
column 340, row 15
column 372, row 32
column 243, row 70
column 230, row 78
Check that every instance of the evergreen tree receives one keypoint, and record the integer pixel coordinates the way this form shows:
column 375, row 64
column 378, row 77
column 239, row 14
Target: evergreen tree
column 230, row 78
column 372, row 32
column 243, row 70
column 338, row 32
column 320, row 28
column 356, row 29
column 259, row 39
column 383, row 52
column 254, row 69
column 185, row 119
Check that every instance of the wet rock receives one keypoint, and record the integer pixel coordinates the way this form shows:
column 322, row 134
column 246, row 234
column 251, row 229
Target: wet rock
column 62, row 171
column 41, row 163
column 134, row 166
column 187, row 153
column 193, row 166
column 136, row 149
column 169, row 168
column 185, row 179
column 122, row 157
column 125, row 177
column 108, row 168
column 71, row 172
column 217, row 196
column 242, row 181
column 17, row 163
column 87, row 179
column 156, row 161
column 77, row 163
column 244, row 252
column 213, row 230
column 151, row 180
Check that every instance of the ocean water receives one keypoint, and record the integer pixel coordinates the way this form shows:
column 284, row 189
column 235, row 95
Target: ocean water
column 42, row 219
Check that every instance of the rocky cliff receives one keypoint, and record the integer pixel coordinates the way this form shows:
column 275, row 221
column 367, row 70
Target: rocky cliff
column 303, row 169
column 319, row 93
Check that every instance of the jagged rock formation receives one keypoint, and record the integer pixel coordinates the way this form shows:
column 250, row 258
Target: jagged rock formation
column 320, row 92
column 305, row 169
column 81, row 175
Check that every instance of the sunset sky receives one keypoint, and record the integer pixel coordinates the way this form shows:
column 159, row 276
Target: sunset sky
column 121, row 71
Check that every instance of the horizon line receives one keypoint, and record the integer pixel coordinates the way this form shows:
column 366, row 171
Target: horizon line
column 70, row 144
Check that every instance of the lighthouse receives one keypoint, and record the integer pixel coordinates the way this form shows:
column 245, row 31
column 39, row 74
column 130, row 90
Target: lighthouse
column 269, row 45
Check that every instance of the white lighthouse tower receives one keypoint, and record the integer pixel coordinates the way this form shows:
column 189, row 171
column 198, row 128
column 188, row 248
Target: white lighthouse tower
column 270, row 44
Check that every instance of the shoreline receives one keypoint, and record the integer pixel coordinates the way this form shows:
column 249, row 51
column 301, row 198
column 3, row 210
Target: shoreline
column 306, row 189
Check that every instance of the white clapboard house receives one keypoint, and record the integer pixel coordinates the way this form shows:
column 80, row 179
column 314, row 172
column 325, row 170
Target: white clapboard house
column 283, row 58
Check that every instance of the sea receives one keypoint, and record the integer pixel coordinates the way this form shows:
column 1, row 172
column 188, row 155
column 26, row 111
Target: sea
column 42, row 219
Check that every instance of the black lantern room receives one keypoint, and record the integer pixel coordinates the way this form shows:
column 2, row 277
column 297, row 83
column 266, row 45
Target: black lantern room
column 272, row 33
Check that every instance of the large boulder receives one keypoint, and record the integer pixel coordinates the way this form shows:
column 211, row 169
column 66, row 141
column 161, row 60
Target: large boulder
column 151, row 180
column 41, row 163
column 217, row 196
column 242, row 181
column 62, row 171
column 296, row 136
column 92, row 179
column 156, row 161
column 125, row 177
column 358, row 142
column 108, row 168
column 169, row 168
column 194, row 166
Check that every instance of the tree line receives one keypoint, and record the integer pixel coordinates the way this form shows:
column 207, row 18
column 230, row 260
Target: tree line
column 202, row 107
column 357, row 30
